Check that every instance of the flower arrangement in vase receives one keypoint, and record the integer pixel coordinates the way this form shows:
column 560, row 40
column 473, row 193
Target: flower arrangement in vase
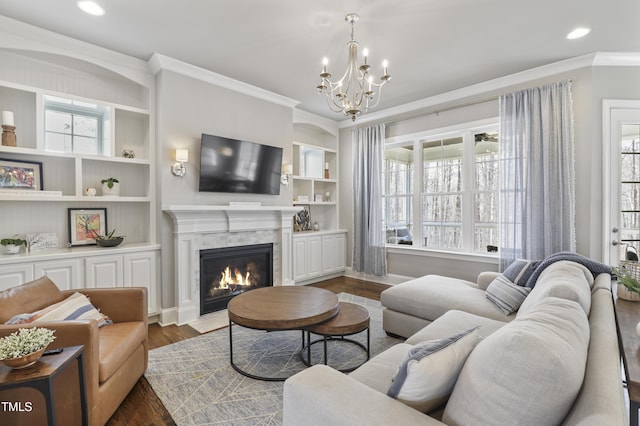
column 24, row 347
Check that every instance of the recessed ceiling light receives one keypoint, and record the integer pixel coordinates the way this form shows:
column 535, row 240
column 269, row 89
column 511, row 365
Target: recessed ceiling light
column 578, row 32
column 91, row 7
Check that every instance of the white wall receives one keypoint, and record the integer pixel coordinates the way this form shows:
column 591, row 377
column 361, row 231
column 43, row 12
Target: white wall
column 186, row 107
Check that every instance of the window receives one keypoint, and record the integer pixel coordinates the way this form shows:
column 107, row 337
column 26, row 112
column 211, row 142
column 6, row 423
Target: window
column 75, row 126
column 451, row 202
column 442, row 193
column 398, row 194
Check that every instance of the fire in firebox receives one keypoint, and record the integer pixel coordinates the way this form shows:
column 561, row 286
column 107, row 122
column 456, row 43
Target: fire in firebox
column 236, row 279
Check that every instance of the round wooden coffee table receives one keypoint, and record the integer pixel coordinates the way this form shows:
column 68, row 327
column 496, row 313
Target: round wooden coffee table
column 351, row 319
column 279, row 308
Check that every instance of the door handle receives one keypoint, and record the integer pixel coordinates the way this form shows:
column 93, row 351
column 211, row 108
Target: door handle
column 614, row 243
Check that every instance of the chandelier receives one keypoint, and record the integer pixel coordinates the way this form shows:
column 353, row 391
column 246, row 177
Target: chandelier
column 356, row 89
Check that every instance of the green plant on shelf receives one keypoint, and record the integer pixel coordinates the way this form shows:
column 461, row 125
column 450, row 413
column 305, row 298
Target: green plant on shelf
column 109, row 236
column 13, row 242
column 109, row 182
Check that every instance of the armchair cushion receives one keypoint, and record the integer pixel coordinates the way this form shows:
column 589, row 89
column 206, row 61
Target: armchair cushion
column 117, row 343
column 75, row 307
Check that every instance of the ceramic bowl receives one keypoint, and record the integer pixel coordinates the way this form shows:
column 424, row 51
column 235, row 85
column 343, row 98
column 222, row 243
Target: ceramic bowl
column 110, row 243
column 24, row 361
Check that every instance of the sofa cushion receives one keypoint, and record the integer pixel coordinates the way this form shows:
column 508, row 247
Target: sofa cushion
column 520, row 271
column 532, row 368
column 378, row 372
column 563, row 279
column 431, row 296
column 506, row 295
column 117, row 343
column 454, row 322
column 75, row 307
column 426, row 376
column 28, row 297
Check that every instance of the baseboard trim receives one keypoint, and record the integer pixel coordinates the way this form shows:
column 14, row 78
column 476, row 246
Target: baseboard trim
column 168, row 317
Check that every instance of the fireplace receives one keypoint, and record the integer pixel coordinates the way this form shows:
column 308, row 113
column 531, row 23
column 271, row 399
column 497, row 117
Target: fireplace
column 228, row 271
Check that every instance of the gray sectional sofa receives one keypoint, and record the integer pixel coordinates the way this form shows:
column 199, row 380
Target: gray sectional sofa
column 554, row 361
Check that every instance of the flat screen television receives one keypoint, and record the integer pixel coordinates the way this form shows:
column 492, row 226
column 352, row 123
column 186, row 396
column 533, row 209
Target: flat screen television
column 232, row 165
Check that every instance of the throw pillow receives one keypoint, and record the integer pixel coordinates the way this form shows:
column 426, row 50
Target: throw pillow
column 520, row 271
column 75, row 307
column 506, row 295
column 427, row 375
column 530, row 371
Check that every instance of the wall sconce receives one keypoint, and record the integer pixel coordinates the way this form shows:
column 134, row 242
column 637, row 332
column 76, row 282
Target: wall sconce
column 178, row 168
column 287, row 171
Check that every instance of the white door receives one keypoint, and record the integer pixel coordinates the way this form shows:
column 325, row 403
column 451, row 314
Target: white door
column 621, row 131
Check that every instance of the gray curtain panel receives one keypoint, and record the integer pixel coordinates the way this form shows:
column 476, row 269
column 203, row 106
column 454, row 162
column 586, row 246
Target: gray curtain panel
column 537, row 179
column 369, row 255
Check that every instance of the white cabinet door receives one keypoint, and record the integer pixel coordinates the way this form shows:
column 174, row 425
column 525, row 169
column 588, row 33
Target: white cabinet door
column 104, row 271
column 300, row 258
column 15, row 275
column 66, row 274
column 333, row 253
column 140, row 271
column 314, row 256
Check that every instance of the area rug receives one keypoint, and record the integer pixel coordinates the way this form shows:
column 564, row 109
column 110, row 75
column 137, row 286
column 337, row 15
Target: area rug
column 198, row 386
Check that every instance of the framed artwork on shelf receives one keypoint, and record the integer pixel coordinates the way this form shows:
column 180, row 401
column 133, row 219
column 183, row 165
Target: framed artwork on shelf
column 84, row 224
column 20, row 175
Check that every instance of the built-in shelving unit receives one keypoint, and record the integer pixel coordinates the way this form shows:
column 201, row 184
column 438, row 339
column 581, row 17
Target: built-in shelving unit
column 66, row 175
column 318, row 254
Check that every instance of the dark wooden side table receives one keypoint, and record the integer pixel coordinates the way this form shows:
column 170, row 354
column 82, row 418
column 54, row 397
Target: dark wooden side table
column 41, row 374
column 627, row 317
column 351, row 319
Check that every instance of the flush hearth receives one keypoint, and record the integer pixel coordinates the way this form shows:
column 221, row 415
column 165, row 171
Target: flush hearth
column 229, row 271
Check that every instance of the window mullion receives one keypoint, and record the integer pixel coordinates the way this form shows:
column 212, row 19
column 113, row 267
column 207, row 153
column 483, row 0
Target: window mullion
column 417, row 193
column 468, row 187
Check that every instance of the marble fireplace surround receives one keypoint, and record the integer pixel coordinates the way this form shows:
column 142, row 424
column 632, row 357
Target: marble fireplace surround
column 201, row 227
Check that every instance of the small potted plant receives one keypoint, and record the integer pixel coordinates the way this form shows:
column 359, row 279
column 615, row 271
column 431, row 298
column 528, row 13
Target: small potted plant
column 12, row 245
column 24, row 347
column 628, row 285
column 110, row 186
column 109, row 239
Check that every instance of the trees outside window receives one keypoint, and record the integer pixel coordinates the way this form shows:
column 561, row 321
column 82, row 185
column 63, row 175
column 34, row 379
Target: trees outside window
column 450, row 202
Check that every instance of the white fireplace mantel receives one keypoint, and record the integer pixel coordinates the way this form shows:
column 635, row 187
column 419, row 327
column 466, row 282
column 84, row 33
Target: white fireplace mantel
column 195, row 226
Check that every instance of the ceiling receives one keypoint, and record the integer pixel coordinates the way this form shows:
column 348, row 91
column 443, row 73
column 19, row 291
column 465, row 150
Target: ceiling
column 433, row 46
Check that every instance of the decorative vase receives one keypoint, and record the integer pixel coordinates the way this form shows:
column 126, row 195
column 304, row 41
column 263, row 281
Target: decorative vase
column 626, row 294
column 11, row 249
column 114, row 190
column 24, row 361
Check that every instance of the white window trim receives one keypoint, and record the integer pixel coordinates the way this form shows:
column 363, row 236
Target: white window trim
column 466, row 130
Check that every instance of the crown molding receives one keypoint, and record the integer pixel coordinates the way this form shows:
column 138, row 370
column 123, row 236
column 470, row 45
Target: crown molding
column 589, row 60
column 18, row 36
column 617, row 59
column 160, row 62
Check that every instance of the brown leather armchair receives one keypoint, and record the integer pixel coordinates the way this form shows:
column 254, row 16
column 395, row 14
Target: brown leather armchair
column 115, row 355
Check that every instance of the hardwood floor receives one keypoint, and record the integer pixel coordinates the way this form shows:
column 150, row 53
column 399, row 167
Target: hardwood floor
column 143, row 408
